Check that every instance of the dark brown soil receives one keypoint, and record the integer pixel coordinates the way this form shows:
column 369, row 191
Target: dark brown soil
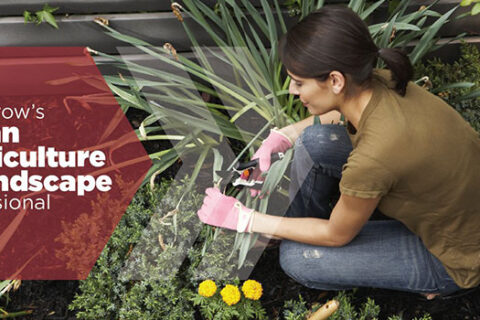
column 47, row 299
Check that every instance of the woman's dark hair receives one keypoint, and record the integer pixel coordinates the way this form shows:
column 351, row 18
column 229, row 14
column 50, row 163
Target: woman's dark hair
column 336, row 38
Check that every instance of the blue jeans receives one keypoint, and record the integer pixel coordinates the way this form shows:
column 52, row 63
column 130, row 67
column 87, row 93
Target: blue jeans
column 385, row 254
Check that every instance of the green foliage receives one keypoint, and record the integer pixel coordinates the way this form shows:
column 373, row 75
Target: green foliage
column 346, row 310
column 369, row 310
column 104, row 295
column 293, row 7
column 476, row 6
column 426, row 316
column 464, row 74
column 156, row 300
column 44, row 15
column 295, row 309
column 151, row 265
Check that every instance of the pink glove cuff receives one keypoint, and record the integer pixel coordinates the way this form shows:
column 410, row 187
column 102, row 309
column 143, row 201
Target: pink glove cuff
column 245, row 216
column 289, row 141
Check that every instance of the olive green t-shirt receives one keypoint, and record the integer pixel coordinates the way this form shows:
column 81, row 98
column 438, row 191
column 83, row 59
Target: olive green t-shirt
column 423, row 159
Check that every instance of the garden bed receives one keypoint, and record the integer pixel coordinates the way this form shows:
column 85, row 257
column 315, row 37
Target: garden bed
column 50, row 299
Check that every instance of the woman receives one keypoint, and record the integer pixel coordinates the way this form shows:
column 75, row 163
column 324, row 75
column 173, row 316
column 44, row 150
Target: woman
column 404, row 152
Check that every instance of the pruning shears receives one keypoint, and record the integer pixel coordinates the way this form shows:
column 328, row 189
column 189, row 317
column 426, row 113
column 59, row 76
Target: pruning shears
column 239, row 174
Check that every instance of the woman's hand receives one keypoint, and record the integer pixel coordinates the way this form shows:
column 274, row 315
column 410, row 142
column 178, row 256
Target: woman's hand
column 275, row 142
column 223, row 211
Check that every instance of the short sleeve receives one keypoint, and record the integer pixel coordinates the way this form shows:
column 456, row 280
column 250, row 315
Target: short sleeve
column 365, row 177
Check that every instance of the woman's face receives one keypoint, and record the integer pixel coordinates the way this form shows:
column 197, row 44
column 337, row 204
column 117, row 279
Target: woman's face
column 319, row 97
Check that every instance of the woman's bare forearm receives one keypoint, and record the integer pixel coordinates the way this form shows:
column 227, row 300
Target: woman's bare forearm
column 313, row 231
column 346, row 220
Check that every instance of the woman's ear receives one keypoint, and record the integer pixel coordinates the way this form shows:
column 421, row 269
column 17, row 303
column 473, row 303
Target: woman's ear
column 337, row 81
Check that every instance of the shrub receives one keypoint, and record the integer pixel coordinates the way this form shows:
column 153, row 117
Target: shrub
column 152, row 264
column 465, row 69
column 297, row 309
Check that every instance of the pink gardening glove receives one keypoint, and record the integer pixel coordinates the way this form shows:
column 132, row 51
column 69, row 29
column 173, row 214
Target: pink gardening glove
column 226, row 212
column 275, row 142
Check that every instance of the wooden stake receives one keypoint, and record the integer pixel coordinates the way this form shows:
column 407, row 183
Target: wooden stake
column 325, row 311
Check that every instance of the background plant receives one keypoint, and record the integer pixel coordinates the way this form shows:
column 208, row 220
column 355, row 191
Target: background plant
column 475, row 8
column 130, row 283
column 346, row 310
column 44, row 15
column 458, row 83
column 297, row 309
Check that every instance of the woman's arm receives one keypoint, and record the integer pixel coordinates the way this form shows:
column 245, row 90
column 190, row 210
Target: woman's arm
column 293, row 131
column 347, row 218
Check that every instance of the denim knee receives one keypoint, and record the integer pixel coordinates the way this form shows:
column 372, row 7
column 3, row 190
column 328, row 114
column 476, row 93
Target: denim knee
column 289, row 264
column 294, row 266
column 287, row 261
column 327, row 146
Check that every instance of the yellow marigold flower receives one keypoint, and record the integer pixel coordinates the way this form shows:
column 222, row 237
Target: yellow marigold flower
column 252, row 289
column 207, row 288
column 230, row 294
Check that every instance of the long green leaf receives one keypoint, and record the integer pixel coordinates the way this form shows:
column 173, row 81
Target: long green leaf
column 387, row 33
column 367, row 12
column 399, row 9
column 426, row 41
column 217, row 164
column 244, row 248
column 456, row 85
column 255, row 15
column 376, row 28
column 160, row 165
column 356, row 5
column 272, row 26
column 472, row 95
column 276, row 172
column 196, row 170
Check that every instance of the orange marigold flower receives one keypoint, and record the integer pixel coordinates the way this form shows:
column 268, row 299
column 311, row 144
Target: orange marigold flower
column 207, row 288
column 230, row 294
column 252, row 289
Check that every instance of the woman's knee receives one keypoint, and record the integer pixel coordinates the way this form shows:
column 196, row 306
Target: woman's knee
column 288, row 261
column 325, row 145
column 296, row 261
